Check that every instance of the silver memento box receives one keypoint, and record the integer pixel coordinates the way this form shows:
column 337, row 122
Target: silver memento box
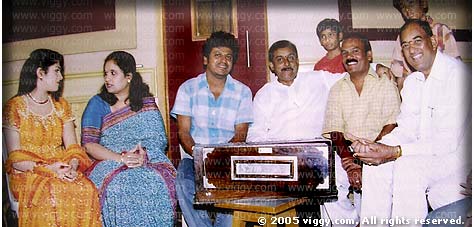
column 285, row 168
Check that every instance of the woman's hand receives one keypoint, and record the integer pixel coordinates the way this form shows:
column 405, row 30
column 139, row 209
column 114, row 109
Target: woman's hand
column 71, row 175
column 74, row 163
column 63, row 171
column 134, row 157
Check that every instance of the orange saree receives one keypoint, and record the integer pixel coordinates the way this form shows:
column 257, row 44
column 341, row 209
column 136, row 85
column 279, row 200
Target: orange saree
column 44, row 199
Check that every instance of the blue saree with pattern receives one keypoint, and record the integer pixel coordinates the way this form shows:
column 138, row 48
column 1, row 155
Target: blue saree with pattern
column 142, row 196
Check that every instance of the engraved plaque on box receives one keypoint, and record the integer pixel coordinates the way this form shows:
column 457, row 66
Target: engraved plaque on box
column 264, row 168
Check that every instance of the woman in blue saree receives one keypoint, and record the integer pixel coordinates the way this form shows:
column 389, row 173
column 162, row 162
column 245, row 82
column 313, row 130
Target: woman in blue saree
column 122, row 129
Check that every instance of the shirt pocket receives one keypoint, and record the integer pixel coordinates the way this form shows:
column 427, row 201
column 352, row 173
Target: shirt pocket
column 446, row 118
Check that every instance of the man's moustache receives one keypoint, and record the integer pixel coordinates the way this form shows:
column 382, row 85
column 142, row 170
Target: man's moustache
column 351, row 60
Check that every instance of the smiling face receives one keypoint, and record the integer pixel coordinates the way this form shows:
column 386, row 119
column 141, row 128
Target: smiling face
column 219, row 64
column 356, row 60
column 418, row 48
column 116, row 82
column 285, row 65
column 330, row 39
column 51, row 77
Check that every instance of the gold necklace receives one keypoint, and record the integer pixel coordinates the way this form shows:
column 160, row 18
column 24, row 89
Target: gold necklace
column 36, row 101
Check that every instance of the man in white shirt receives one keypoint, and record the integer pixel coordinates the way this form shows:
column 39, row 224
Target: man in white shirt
column 292, row 107
column 427, row 153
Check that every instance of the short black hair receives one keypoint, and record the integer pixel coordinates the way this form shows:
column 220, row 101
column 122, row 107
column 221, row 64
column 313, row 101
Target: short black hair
column 328, row 23
column 281, row 44
column 398, row 4
column 364, row 39
column 423, row 24
column 221, row 39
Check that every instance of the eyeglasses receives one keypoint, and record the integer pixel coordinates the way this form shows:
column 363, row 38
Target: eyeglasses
column 417, row 42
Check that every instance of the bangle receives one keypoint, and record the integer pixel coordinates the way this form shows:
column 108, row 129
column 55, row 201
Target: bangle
column 398, row 151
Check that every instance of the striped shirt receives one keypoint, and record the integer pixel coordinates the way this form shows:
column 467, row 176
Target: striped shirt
column 213, row 120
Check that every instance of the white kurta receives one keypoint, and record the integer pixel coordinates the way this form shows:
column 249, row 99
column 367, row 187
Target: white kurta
column 433, row 132
column 297, row 112
column 292, row 112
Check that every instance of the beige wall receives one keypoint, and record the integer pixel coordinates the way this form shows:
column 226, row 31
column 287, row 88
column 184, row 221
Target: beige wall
column 141, row 36
column 140, row 32
column 297, row 20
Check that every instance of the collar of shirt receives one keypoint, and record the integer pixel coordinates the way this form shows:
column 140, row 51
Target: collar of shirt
column 291, row 91
column 282, row 86
column 437, row 69
column 229, row 82
column 371, row 74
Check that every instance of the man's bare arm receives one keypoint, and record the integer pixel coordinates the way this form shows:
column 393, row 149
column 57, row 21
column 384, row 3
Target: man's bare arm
column 184, row 133
column 240, row 133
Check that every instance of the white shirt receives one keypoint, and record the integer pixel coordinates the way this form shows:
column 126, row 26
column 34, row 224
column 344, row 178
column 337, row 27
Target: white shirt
column 292, row 112
column 435, row 112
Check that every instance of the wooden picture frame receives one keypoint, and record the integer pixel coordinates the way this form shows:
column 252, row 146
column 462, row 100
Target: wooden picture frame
column 200, row 24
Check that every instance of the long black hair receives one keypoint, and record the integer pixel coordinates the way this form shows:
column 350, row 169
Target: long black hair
column 40, row 58
column 137, row 88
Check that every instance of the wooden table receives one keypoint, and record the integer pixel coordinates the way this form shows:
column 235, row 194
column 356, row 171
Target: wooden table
column 272, row 210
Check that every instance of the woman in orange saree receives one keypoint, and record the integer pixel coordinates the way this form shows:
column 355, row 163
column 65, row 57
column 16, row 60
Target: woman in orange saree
column 45, row 163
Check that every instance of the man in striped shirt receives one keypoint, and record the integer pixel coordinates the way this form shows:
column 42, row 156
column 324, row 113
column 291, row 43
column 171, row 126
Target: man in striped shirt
column 211, row 108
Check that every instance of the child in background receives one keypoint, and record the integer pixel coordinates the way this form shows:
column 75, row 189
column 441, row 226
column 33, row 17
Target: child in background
column 330, row 35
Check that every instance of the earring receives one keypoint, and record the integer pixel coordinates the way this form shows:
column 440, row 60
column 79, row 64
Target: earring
column 128, row 80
